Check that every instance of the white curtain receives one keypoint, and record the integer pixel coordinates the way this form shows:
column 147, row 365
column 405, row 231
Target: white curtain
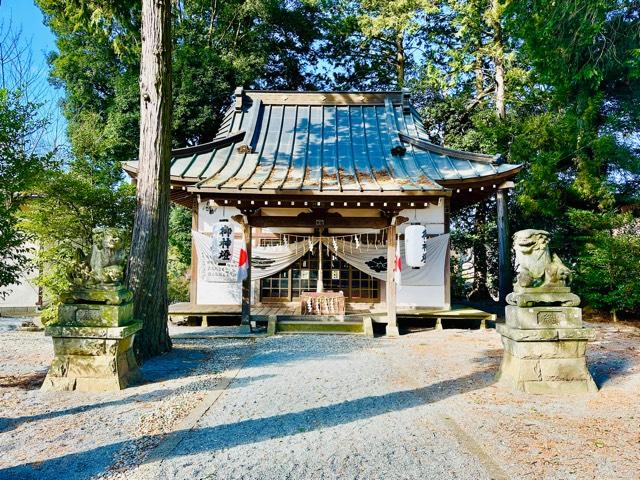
column 372, row 259
column 265, row 260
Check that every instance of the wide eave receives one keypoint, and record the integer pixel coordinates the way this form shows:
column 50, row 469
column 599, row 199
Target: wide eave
column 333, row 144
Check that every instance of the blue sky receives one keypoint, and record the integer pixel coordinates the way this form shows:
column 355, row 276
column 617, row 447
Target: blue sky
column 25, row 16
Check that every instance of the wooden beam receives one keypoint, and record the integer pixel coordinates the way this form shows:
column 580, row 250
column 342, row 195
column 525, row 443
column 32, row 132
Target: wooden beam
column 324, row 98
column 504, row 248
column 245, row 323
column 193, row 285
column 391, row 287
column 329, row 222
column 447, row 260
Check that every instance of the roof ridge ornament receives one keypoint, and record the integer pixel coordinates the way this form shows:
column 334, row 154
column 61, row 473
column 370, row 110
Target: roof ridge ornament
column 406, row 100
column 239, row 93
column 397, row 148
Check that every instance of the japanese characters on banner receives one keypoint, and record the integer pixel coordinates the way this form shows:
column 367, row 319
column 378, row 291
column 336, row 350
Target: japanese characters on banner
column 222, row 244
column 415, row 244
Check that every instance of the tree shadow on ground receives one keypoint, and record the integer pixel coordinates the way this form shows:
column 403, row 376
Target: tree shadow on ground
column 220, row 437
column 181, row 362
column 606, row 366
column 11, row 423
column 27, row 381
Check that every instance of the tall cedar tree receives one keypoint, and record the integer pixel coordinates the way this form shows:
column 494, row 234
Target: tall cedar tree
column 147, row 268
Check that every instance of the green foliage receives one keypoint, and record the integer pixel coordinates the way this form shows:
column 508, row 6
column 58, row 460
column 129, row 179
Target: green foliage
column 180, row 232
column 217, row 46
column 20, row 167
column 608, row 268
column 178, row 280
column 179, row 253
column 66, row 208
column 571, row 90
column 378, row 44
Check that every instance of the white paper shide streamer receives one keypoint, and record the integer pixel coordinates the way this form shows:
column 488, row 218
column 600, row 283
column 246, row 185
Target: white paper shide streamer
column 265, row 260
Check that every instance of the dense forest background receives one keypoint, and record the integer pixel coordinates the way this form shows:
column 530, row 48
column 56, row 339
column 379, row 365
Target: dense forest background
column 551, row 85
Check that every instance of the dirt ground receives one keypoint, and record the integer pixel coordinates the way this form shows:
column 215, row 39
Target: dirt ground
column 421, row 406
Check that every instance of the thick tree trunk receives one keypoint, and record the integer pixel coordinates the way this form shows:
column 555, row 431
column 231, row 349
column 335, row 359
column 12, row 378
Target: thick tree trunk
column 400, row 60
column 147, row 269
column 498, row 57
column 500, row 108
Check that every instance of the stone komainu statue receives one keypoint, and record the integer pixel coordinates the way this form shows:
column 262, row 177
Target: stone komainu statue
column 535, row 264
column 99, row 276
column 542, row 277
column 107, row 259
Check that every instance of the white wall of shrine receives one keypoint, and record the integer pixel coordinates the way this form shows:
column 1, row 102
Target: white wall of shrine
column 433, row 219
column 208, row 293
column 434, row 296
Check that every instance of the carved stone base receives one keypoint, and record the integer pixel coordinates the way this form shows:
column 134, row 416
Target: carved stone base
column 99, row 294
column 528, row 297
column 93, row 350
column 544, row 351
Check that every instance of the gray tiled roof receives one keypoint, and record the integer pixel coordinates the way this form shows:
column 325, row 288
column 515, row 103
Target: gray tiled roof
column 291, row 141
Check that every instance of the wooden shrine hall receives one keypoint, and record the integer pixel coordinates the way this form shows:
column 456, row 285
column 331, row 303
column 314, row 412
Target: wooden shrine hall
column 325, row 192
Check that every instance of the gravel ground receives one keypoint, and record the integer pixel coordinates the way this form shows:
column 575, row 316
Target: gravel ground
column 81, row 435
column 307, row 407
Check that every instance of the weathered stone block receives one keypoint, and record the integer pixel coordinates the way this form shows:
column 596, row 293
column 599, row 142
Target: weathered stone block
column 95, row 315
column 93, row 332
column 543, row 317
column 92, row 358
column 91, row 366
column 551, row 365
column 577, row 334
column 100, row 384
column 109, row 294
column 540, row 297
column 533, row 350
column 520, row 369
column 58, row 384
column 79, row 346
column 573, row 387
column 562, row 369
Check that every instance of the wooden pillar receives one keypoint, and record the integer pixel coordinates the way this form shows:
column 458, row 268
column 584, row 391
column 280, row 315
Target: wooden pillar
column 193, row 286
column 245, row 323
column 447, row 260
column 504, row 247
column 391, row 290
column 320, row 282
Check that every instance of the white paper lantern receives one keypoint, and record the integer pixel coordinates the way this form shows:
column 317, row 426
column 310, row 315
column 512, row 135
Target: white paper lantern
column 222, row 244
column 415, row 247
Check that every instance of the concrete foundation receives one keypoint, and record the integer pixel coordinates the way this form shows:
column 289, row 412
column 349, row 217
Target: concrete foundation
column 544, row 350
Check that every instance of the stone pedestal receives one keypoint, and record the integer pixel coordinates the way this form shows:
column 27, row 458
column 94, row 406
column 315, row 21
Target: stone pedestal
column 544, row 350
column 93, row 344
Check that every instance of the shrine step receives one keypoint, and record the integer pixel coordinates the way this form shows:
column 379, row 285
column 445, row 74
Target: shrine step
column 319, row 326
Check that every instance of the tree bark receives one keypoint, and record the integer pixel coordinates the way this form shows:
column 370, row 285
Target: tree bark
column 147, row 268
column 498, row 57
column 400, row 59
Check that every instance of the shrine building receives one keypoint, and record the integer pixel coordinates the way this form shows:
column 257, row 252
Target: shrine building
column 324, row 190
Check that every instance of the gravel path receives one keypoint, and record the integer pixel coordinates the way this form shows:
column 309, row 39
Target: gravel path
column 74, row 435
column 322, row 407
